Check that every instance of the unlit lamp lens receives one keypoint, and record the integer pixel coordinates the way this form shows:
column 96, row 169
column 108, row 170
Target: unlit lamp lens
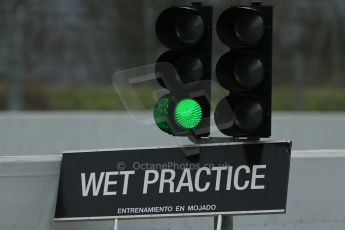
column 249, row 115
column 241, row 118
column 190, row 69
column 249, row 72
column 190, row 28
column 250, row 28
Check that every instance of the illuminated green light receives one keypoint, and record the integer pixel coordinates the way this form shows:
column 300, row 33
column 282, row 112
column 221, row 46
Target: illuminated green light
column 160, row 114
column 188, row 113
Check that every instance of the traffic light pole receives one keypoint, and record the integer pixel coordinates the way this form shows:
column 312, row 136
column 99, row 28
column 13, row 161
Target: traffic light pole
column 220, row 222
column 245, row 71
column 223, row 223
column 116, row 224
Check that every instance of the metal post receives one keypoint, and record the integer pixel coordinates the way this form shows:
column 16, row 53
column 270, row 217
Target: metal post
column 223, row 223
column 116, row 223
column 220, row 222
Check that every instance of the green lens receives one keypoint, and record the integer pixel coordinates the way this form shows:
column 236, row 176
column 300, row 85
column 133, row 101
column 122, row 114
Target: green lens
column 188, row 113
column 160, row 114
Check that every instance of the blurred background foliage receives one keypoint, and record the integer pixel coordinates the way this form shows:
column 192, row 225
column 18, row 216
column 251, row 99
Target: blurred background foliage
column 61, row 55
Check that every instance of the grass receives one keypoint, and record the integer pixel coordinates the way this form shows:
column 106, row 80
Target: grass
column 105, row 98
column 314, row 99
column 96, row 98
column 2, row 97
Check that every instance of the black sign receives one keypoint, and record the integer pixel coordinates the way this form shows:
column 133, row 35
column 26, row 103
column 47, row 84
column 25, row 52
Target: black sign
column 234, row 178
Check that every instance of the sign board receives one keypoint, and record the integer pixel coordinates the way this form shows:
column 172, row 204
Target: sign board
column 233, row 178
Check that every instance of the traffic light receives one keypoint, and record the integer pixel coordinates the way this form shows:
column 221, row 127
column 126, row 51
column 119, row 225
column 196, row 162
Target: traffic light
column 245, row 71
column 187, row 33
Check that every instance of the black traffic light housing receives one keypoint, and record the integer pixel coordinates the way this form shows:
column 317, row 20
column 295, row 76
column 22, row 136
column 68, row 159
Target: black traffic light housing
column 187, row 32
column 245, row 71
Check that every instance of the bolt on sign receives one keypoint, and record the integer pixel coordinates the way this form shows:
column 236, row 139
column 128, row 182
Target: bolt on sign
column 232, row 178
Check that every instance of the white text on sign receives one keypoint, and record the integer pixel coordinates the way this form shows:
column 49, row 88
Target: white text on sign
column 201, row 180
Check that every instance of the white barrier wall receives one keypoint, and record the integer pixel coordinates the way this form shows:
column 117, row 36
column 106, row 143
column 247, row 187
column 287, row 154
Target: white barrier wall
column 316, row 198
column 51, row 133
